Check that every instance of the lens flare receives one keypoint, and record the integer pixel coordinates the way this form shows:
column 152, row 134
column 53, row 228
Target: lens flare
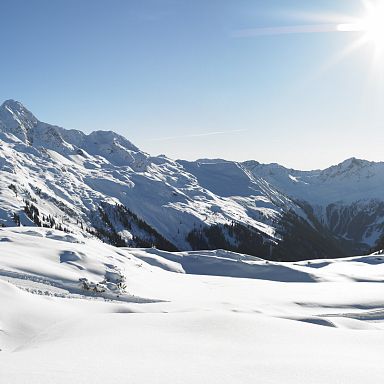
column 371, row 25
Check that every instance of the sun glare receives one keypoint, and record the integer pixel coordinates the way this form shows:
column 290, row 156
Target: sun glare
column 371, row 25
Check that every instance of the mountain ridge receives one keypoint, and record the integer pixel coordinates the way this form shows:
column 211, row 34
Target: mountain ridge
column 18, row 108
column 102, row 183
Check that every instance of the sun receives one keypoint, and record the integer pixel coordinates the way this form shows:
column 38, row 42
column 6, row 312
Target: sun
column 371, row 25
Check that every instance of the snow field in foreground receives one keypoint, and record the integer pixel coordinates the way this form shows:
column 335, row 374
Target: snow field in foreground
column 316, row 322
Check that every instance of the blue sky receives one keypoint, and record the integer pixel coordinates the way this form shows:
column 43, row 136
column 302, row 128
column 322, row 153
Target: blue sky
column 174, row 77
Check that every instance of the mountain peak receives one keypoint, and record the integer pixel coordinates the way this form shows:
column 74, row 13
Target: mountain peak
column 355, row 161
column 12, row 104
column 351, row 167
column 17, row 109
column 16, row 119
column 353, row 164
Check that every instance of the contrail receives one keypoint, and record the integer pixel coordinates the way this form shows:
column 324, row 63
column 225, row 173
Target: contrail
column 199, row 135
column 293, row 29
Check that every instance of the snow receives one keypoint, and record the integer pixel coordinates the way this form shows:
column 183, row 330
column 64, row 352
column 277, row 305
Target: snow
column 76, row 310
column 309, row 322
column 363, row 180
column 76, row 173
column 347, row 189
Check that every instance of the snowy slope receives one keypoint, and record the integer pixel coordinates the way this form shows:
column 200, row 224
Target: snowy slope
column 69, row 174
column 307, row 322
column 346, row 199
column 101, row 184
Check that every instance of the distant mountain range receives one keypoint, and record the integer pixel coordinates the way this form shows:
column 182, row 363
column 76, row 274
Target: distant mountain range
column 102, row 185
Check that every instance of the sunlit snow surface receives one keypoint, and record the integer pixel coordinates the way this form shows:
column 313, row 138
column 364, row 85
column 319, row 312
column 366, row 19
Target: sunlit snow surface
column 70, row 175
column 174, row 321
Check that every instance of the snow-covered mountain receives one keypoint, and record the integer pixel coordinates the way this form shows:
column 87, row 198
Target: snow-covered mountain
column 102, row 185
column 346, row 200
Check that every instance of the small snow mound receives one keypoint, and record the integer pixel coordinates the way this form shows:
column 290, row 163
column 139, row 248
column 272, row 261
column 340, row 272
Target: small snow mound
column 64, row 237
column 372, row 260
column 33, row 233
column 69, row 256
column 114, row 277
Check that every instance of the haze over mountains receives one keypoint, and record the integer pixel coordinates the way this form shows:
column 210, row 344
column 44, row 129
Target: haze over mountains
column 102, row 185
